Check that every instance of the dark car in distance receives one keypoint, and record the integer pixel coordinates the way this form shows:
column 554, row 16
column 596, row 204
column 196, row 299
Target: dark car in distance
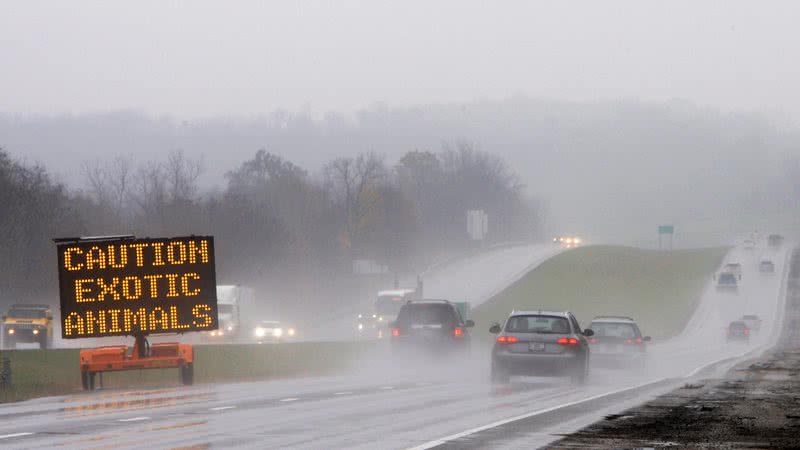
column 738, row 331
column 533, row 343
column 430, row 328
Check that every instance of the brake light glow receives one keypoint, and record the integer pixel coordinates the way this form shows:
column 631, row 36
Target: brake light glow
column 395, row 332
column 507, row 339
column 638, row 340
column 458, row 332
column 567, row 341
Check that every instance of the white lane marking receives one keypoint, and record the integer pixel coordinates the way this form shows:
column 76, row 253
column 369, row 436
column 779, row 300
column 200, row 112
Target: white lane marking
column 134, row 419
column 221, row 408
column 704, row 366
column 290, row 399
column 343, row 393
column 387, row 388
column 453, row 437
column 13, row 435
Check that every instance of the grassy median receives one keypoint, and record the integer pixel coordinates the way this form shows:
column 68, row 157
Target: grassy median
column 660, row 289
column 37, row 373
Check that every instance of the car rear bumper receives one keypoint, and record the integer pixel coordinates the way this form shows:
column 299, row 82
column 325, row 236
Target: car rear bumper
column 537, row 364
column 411, row 345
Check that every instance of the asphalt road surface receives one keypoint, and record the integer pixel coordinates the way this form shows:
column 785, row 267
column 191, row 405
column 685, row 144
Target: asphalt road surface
column 399, row 406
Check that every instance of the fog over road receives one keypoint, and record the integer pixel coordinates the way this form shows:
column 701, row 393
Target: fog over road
column 388, row 405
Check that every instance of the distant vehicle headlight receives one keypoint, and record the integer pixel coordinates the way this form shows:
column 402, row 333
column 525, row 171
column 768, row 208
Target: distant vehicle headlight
column 576, row 240
column 290, row 331
column 361, row 326
column 374, row 316
column 360, row 316
column 10, row 331
column 380, row 319
column 277, row 332
column 230, row 327
column 217, row 333
column 260, row 332
column 35, row 331
column 568, row 240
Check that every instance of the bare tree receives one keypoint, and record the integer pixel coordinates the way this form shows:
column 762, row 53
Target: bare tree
column 354, row 183
column 181, row 176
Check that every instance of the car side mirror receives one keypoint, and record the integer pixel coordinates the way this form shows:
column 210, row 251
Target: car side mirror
column 469, row 323
column 647, row 339
column 495, row 328
column 588, row 332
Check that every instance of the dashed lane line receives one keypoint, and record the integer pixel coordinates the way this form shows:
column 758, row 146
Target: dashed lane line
column 14, row 435
column 134, row 419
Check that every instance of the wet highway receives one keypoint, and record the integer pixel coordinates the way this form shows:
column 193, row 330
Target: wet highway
column 383, row 404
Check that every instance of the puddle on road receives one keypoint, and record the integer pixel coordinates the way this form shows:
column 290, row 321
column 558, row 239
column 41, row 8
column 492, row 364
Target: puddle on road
column 132, row 405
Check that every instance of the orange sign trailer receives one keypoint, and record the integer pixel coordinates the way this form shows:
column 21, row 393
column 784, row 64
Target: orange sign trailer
column 143, row 355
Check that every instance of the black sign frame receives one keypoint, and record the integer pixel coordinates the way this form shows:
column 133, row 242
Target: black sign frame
column 121, row 286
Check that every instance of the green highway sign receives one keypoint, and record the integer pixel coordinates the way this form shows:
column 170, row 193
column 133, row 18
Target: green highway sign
column 666, row 229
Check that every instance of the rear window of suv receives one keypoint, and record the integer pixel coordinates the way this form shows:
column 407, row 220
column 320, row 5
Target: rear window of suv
column 426, row 314
column 614, row 329
column 538, row 324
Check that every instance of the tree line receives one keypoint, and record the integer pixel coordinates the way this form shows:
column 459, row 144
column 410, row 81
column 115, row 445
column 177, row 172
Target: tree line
column 272, row 219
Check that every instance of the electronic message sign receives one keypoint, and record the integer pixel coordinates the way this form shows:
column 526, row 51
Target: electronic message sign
column 121, row 287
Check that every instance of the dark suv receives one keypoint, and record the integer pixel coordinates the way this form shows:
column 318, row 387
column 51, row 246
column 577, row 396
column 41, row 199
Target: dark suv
column 540, row 343
column 617, row 341
column 430, row 327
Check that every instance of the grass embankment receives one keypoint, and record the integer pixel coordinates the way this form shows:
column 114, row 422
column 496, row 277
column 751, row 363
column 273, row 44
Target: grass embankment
column 37, row 373
column 660, row 289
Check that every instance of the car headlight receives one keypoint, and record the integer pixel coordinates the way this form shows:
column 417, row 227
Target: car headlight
column 568, row 241
column 576, row 240
column 360, row 316
column 35, row 331
column 361, row 326
column 290, row 331
column 374, row 316
column 380, row 319
column 10, row 331
column 277, row 332
column 260, row 332
column 230, row 327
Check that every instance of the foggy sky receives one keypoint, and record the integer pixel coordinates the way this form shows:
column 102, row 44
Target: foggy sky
column 200, row 58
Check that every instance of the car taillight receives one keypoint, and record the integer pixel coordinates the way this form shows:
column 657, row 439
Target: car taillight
column 395, row 332
column 458, row 332
column 746, row 331
column 636, row 341
column 567, row 341
column 507, row 339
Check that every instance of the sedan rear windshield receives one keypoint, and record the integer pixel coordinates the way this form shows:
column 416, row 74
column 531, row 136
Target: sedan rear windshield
column 611, row 329
column 538, row 324
column 426, row 314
